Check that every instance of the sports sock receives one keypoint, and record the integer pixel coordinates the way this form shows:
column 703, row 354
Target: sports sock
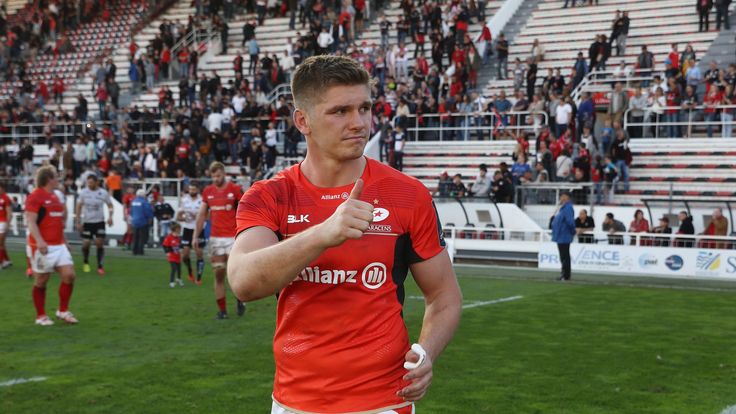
column 39, row 300
column 65, row 293
column 4, row 255
column 100, row 257
column 200, row 268
column 28, row 262
column 85, row 254
column 221, row 304
column 172, row 275
column 188, row 262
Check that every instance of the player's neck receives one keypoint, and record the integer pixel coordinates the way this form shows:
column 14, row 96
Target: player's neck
column 328, row 173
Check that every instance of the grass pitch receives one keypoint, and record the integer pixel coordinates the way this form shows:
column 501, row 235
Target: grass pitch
column 592, row 346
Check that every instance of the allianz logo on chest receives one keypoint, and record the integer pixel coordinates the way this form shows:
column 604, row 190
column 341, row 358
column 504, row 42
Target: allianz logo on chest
column 373, row 276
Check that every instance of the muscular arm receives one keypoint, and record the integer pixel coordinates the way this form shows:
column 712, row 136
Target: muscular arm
column 260, row 265
column 443, row 305
column 201, row 217
column 443, row 302
column 35, row 232
column 256, row 267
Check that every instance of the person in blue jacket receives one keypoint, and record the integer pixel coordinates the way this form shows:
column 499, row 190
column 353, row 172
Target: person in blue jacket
column 563, row 231
column 141, row 216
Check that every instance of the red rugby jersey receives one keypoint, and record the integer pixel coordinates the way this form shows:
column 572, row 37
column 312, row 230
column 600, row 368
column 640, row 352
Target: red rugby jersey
column 222, row 202
column 340, row 337
column 5, row 201
column 50, row 219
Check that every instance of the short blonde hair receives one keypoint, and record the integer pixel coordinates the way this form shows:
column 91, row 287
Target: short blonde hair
column 217, row 166
column 44, row 175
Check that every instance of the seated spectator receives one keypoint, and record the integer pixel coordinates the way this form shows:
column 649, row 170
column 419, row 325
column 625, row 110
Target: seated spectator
column 457, row 188
column 662, row 228
column 686, row 227
column 584, row 227
column 613, row 226
column 443, row 187
column 718, row 226
column 501, row 188
column 638, row 225
column 481, row 187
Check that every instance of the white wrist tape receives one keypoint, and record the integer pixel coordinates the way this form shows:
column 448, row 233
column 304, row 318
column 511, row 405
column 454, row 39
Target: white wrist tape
column 422, row 356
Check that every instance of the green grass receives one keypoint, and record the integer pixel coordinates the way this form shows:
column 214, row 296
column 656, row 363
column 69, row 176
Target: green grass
column 593, row 346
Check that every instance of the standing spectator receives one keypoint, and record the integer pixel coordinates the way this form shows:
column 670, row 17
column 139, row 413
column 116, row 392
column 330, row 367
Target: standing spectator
column 224, row 32
column 563, row 114
column 613, row 226
column 703, row 7
column 645, row 64
column 714, row 98
column 584, row 227
column 727, row 114
column 620, row 33
column 621, row 156
column 399, row 141
column 253, row 51
column 564, row 166
column 619, row 103
column 164, row 213
column 722, row 14
column 58, row 89
column 638, row 225
column 563, row 231
column 502, row 50
column 141, row 215
column 637, row 105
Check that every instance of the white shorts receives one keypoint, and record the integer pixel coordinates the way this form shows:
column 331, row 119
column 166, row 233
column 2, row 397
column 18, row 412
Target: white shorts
column 221, row 246
column 277, row 409
column 58, row 255
column 3, row 227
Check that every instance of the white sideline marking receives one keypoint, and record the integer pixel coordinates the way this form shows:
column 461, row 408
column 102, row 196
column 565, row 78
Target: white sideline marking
column 476, row 304
column 491, row 302
column 21, row 381
column 729, row 410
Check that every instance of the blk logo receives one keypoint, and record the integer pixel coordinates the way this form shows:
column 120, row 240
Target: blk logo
column 293, row 219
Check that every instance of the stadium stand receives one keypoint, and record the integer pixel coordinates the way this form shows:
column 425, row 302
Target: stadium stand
column 565, row 32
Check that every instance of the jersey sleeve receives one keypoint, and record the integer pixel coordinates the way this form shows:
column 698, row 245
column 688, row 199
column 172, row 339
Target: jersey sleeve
column 33, row 204
column 425, row 229
column 257, row 207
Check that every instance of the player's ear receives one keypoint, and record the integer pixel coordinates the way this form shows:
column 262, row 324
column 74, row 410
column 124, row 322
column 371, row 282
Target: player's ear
column 301, row 121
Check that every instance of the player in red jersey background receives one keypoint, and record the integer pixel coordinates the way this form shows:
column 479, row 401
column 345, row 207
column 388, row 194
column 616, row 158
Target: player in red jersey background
column 335, row 237
column 45, row 215
column 219, row 200
column 6, row 213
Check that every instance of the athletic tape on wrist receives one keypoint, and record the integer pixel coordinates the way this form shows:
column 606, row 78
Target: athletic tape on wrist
column 422, row 356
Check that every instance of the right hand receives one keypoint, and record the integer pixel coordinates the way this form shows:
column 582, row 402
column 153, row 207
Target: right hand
column 349, row 221
column 42, row 247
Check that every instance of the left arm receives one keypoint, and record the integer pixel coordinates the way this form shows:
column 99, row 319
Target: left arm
column 443, row 305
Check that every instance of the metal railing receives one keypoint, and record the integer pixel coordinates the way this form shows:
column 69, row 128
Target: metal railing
column 604, row 80
column 67, row 132
column 283, row 89
column 460, row 126
column 657, row 118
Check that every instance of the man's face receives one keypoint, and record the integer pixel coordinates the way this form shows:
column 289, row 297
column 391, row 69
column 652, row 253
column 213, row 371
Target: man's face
column 91, row 184
column 218, row 178
column 717, row 213
column 337, row 126
column 193, row 190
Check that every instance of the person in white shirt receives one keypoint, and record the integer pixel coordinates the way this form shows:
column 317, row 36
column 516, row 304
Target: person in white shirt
column 481, row 187
column 238, row 102
column 564, row 166
column 165, row 131
column 324, row 40
column 227, row 114
column 214, row 122
column 562, row 117
column 622, row 71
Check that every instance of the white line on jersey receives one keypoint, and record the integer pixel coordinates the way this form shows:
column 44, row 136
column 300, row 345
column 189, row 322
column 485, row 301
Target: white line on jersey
column 21, row 381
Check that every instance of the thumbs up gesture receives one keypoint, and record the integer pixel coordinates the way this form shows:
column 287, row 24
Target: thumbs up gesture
column 349, row 221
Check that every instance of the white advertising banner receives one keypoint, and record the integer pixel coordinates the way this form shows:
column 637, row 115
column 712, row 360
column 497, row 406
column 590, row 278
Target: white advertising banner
column 643, row 260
